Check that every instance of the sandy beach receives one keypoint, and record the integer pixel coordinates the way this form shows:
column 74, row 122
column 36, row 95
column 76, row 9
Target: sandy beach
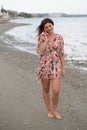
column 21, row 101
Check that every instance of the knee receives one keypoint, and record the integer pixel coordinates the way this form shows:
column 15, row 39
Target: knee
column 46, row 90
column 56, row 91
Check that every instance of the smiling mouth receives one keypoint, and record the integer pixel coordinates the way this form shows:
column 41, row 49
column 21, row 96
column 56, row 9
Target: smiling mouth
column 48, row 31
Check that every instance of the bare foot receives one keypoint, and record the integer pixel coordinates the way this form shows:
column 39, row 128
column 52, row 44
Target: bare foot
column 50, row 115
column 57, row 115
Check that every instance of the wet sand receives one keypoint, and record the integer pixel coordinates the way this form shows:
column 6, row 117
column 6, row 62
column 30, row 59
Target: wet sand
column 21, row 101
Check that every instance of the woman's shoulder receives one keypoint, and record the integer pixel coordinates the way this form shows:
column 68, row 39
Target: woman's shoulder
column 41, row 36
column 59, row 36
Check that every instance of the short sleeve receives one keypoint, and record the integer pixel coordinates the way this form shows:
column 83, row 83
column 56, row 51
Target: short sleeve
column 40, row 41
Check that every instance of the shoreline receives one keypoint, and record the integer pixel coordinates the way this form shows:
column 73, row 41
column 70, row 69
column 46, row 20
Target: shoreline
column 80, row 64
column 5, row 26
column 21, row 102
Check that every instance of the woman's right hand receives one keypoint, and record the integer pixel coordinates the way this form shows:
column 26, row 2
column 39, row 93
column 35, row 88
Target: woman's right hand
column 43, row 47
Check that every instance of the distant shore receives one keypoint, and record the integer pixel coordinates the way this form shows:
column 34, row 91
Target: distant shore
column 6, row 25
column 21, row 101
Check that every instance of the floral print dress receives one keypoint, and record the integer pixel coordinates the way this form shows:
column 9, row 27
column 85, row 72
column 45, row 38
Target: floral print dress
column 49, row 66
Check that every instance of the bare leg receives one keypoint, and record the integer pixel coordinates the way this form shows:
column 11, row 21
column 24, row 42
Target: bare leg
column 55, row 98
column 46, row 88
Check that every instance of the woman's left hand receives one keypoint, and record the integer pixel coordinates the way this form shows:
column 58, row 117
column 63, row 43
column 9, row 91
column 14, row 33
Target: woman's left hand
column 63, row 72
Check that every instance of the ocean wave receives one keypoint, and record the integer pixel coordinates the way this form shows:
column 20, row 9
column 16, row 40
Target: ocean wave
column 75, row 40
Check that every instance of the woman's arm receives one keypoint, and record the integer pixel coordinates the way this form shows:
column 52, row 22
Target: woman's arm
column 62, row 57
column 42, row 44
column 43, row 47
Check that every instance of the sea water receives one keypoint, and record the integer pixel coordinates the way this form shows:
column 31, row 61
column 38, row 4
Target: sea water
column 73, row 30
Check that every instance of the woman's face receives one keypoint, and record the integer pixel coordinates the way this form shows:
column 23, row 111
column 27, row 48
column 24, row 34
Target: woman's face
column 48, row 28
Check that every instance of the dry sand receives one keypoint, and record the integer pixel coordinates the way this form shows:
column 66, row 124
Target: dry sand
column 21, row 101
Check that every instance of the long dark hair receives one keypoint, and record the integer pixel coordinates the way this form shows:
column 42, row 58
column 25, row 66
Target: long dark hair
column 40, row 28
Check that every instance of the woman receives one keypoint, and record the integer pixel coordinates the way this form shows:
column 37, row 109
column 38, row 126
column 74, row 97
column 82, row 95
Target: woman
column 51, row 64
